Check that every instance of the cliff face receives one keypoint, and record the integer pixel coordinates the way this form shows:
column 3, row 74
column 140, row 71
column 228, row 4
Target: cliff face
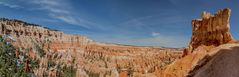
column 24, row 32
column 207, row 34
column 88, row 58
column 211, row 30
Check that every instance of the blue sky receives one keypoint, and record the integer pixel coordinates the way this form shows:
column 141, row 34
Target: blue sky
column 164, row 23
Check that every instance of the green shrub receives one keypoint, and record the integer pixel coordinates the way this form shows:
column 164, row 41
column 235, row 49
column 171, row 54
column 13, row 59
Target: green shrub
column 9, row 65
column 39, row 50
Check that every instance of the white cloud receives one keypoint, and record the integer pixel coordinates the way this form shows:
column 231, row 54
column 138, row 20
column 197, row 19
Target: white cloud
column 72, row 20
column 154, row 34
column 61, row 10
column 53, row 6
column 10, row 5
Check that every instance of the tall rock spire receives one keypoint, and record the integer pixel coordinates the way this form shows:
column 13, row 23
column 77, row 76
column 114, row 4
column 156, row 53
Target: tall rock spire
column 211, row 30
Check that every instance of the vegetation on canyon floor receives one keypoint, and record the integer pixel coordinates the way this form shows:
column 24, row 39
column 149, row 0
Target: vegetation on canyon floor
column 13, row 66
column 16, row 62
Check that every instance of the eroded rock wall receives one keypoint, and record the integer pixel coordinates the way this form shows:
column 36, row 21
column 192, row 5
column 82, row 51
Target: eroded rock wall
column 210, row 35
column 88, row 57
column 24, row 33
column 211, row 30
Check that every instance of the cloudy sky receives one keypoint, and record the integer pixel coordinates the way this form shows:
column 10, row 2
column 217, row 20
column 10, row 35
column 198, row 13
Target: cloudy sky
column 164, row 23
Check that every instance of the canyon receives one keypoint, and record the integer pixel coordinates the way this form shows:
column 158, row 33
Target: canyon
column 211, row 51
column 89, row 58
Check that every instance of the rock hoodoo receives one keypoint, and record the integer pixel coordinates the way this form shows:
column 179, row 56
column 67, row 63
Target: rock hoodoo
column 89, row 58
column 211, row 30
column 211, row 51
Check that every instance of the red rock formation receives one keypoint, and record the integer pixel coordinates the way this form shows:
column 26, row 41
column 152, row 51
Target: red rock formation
column 26, row 34
column 210, row 30
column 209, row 35
column 90, row 57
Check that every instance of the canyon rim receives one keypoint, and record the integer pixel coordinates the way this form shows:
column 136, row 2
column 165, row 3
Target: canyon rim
column 65, row 38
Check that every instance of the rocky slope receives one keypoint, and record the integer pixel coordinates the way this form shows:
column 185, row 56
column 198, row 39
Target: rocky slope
column 207, row 50
column 220, row 62
column 87, row 57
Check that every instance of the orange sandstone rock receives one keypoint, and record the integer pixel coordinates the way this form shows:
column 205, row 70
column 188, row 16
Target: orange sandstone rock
column 209, row 36
column 87, row 56
column 211, row 30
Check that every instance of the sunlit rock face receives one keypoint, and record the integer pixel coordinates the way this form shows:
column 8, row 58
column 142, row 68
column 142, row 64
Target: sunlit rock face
column 209, row 51
column 88, row 57
column 211, row 30
column 26, row 33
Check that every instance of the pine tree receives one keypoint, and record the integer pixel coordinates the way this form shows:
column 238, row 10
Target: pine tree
column 10, row 65
column 8, row 59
